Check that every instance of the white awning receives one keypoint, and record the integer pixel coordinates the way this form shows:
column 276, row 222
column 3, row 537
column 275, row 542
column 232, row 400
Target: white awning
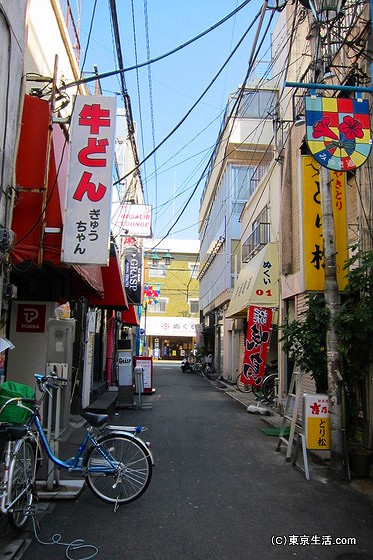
column 257, row 283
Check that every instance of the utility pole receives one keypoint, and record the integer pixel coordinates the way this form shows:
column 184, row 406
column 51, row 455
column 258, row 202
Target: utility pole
column 324, row 14
column 333, row 358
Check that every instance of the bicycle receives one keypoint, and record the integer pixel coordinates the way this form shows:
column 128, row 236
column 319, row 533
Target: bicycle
column 248, row 387
column 18, row 474
column 243, row 387
column 117, row 464
column 191, row 365
column 269, row 388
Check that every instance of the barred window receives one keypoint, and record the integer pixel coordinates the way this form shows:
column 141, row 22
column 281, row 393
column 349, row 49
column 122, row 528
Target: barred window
column 159, row 307
column 193, row 306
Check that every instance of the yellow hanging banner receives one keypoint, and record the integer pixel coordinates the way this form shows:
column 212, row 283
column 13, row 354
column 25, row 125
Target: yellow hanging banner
column 313, row 243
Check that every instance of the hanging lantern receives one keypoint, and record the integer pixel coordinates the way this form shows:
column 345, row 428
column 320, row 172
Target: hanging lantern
column 168, row 258
column 154, row 259
column 324, row 10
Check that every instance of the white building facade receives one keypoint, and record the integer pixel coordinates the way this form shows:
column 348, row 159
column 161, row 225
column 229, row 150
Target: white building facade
column 241, row 161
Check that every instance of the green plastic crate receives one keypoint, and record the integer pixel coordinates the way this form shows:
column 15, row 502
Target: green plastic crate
column 13, row 413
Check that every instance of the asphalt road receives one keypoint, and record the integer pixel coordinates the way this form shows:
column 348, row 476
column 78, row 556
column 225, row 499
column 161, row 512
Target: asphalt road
column 219, row 491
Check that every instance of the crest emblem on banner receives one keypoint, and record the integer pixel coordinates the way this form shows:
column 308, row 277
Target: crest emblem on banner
column 338, row 131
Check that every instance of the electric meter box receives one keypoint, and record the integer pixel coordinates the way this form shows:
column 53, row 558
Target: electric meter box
column 61, row 333
column 60, row 341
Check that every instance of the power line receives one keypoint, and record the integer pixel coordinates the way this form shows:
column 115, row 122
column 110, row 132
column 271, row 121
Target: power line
column 177, row 126
column 124, row 92
column 280, row 74
column 138, row 90
column 151, row 103
column 165, row 55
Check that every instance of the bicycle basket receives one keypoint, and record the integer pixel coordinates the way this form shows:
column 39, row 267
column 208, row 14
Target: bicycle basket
column 13, row 413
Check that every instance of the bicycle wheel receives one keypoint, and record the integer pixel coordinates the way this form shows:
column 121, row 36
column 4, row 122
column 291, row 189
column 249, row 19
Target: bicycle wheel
column 243, row 387
column 197, row 368
column 257, row 391
column 119, row 468
column 269, row 387
column 20, row 483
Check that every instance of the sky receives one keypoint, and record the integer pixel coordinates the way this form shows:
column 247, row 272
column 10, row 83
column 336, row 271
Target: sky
column 163, row 92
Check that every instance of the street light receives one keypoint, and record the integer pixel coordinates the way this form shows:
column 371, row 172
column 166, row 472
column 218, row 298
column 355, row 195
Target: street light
column 155, row 259
column 168, row 258
column 324, row 11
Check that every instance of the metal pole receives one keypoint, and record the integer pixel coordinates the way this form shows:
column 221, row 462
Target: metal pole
column 333, row 303
column 47, row 163
column 57, row 428
column 314, row 86
column 50, row 464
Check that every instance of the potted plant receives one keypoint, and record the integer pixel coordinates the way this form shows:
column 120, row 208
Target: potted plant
column 360, row 459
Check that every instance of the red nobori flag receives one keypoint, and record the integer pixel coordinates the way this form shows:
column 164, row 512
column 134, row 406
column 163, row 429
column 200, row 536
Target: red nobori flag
column 256, row 345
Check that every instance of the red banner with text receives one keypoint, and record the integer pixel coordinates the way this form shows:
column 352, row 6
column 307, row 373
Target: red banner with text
column 259, row 320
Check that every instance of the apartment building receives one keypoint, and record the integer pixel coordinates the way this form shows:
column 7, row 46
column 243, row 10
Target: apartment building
column 243, row 153
column 170, row 316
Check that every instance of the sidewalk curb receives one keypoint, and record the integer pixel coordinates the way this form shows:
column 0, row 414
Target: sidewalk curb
column 274, row 419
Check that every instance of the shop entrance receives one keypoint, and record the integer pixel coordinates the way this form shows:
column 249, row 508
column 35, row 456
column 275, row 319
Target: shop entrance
column 172, row 348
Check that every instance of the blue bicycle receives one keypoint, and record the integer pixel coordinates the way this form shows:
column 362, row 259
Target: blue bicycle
column 116, row 464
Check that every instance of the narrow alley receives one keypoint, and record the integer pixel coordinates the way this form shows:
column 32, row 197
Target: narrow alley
column 219, row 490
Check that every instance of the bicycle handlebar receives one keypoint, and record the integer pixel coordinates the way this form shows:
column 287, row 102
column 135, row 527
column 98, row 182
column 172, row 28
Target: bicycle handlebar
column 49, row 380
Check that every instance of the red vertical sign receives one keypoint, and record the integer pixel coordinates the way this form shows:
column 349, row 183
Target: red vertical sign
column 256, row 345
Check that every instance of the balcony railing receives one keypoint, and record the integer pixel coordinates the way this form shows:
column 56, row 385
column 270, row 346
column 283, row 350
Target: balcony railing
column 260, row 172
column 258, row 238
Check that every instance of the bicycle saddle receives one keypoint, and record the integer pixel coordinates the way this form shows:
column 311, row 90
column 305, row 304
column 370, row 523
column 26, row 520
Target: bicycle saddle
column 13, row 432
column 94, row 419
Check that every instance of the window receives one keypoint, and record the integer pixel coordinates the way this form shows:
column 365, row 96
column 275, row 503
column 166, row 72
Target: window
column 194, row 269
column 260, row 235
column 193, row 306
column 159, row 307
column 157, row 272
column 257, row 104
column 241, row 187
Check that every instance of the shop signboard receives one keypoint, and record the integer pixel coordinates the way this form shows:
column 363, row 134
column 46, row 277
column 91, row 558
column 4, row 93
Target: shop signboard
column 136, row 219
column 146, row 363
column 133, row 275
column 316, row 421
column 338, row 131
column 86, row 230
column 31, row 318
column 313, row 242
